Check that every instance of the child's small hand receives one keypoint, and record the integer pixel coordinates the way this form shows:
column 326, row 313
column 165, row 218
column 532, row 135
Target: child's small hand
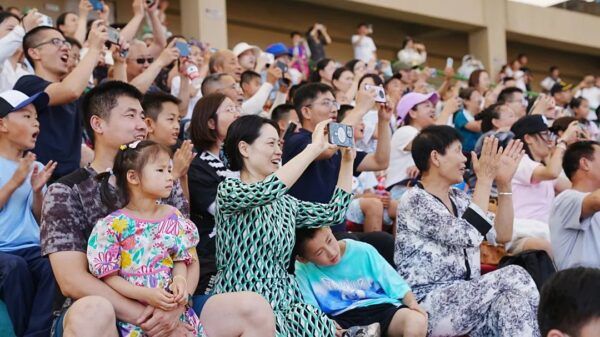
column 160, row 298
column 182, row 159
column 348, row 154
column 40, row 178
column 23, row 169
column 179, row 288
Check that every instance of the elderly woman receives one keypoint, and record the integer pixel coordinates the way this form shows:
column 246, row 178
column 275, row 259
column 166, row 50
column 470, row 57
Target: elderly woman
column 256, row 220
column 439, row 233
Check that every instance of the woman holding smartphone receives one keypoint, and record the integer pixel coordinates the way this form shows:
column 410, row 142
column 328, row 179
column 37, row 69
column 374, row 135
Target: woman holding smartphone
column 256, row 220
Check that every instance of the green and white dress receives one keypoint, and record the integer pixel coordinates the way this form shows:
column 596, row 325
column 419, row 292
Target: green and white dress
column 255, row 236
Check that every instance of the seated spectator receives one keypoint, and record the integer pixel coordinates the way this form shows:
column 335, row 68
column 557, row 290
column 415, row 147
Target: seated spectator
column 581, row 110
column 466, row 120
column 323, row 72
column 552, row 78
column 515, row 99
column 358, row 67
column 412, row 53
column 27, row 285
column 569, row 304
column 250, row 83
column 439, row 233
column 247, row 55
column 225, row 61
column 480, row 80
column 415, row 111
column 145, row 81
column 575, row 213
column 362, row 43
column 351, row 283
column 72, row 207
column 408, row 74
column 212, row 117
column 285, row 115
column 561, row 94
column 256, row 213
column 317, row 38
column 496, row 121
column 60, row 135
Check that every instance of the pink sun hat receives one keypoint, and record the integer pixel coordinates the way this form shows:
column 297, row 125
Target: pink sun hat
column 411, row 99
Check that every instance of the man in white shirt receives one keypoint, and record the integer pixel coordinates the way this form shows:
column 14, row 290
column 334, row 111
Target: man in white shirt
column 364, row 47
column 575, row 215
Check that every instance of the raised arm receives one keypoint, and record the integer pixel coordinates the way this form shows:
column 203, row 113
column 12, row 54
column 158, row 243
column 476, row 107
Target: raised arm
column 85, row 7
column 72, row 86
column 128, row 32
column 553, row 167
column 254, row 105
column 450, row 106
column 160, row 39
column 380, row 159
column 144, row 80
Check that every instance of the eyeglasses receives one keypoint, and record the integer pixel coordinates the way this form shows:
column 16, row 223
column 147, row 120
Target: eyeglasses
column 327, row 104
column 56, row 42
column 142, row 60
column 547, row 136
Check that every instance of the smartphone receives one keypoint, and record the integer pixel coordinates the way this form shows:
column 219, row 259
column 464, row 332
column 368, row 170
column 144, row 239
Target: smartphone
column 46, row 20
column 380, row 93
column 113, row 35
column 282, row 66
column 97, row 5
column 340, row 134
column 449, row 62
column 184, row 48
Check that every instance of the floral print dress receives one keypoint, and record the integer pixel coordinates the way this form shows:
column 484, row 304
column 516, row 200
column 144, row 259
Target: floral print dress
column 143, row 252
column 256, row 226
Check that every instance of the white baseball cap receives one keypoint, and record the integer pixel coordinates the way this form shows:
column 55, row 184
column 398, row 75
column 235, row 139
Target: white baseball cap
column 14, row 100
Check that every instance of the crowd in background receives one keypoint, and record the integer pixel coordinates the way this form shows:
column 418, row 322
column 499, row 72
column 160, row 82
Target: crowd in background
column 154, row 183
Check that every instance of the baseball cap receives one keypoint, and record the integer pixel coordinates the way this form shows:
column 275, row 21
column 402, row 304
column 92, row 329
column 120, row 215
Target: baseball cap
column 13, row 100
column 411, row 99
column 527, row 125
column 242, row 47
column 559, row 87
column 278, row 49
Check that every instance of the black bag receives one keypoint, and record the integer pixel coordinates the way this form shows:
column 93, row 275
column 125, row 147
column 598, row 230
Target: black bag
column 537, row 263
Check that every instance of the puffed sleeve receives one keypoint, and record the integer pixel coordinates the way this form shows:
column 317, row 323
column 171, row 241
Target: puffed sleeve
column 186, row 241
column 104, row 249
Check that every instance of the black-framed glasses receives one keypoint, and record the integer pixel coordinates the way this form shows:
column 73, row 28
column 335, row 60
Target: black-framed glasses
column 547, row 136
column 142, row 60
column 327, row 104
column 55, row 42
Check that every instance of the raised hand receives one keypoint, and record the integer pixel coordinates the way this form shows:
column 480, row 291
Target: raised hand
column 98, row 35
column 85, row 7
column 168, row 55
column 40, row 178
column 509, row 162
column 486, row 167
column 385, row 111
column 571, row 134
column 182, row 159
column 319, row 138
column 31, row 20
column 23, row 169
column 348, row 154
column 103, row 15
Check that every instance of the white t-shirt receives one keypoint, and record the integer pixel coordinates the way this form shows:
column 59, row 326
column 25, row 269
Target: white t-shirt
column 593, row 96
column 175, row 87
column 400, row 159
column 10, row 75
column 368, row 144
column 531, row 200
column 363, row 48
column 575, row 241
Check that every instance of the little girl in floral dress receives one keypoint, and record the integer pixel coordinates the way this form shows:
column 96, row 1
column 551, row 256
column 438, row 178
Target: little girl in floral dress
column 142, row 250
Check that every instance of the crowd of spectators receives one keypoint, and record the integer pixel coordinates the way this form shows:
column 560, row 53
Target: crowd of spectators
column 151, row 185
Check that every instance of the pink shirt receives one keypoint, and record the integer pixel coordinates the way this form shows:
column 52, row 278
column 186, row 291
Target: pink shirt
column 531, row 200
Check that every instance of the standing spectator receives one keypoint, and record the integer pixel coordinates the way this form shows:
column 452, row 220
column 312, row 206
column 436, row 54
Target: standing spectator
column 466, row 120
column 27, row 284
column 412, row 53
column 73, row 25
column 317, row 38
column 300, row 54
column 575, row 216
column 60, row 136
column 552, row 79
column 364, row 47
column 247, row 55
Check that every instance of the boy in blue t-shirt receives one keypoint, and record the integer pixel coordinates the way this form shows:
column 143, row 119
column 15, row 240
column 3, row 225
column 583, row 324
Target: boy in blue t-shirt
column 354, row 285
column 27, row 285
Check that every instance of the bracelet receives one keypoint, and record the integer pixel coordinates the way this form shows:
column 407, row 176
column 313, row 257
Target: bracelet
column 504, row 193
column 176, row 276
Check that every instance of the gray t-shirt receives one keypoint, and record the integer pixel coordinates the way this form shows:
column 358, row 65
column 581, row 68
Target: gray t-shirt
column 575, row 241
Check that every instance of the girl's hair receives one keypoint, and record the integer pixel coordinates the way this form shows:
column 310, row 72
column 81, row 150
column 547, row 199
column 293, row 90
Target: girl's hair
column 133, row 156
column 6, row 15
column 576, row 102
column 314, row 76
column 244, row 129
column 201, row 135
column 338, row 73
column 474, row 78
column 376, row 79
column 351, row 64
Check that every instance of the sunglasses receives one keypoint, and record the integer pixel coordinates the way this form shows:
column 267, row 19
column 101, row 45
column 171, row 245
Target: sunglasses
column 142, row 60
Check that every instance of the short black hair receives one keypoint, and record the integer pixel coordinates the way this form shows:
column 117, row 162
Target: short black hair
column 74, row 42
column 303, row 234
column 376, row 79
column 576, row 151
column 552, row 68
column 508, row 78
column 295, row 33
column 153, row 103
column 487, row 115
column 569, row 300
column 396, row 76
column 100, row 101
column 307, row 93
column 344, row 108
column 507, row 94
column 210, row 81
column 465, row 93
column 6, row 15
column 432, row 138
column 351, row 64
column 338, row 73
column 248, row 76
column 32, row 38
column 281, row 111
column 576, row 102
column 60, row 20
column 201, row 135
column 246, row 129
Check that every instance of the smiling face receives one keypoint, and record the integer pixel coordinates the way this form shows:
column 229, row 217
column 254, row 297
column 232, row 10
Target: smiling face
column 422, row 115
column 165, row 129
column 451, row 165
column 323, row 249
column 322, row 108
column 21, row 128
column 124, row 124
column 263, row 156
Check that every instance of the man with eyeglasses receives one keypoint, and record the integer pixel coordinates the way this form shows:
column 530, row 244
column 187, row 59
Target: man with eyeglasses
column 514, row 98
column 60, row 135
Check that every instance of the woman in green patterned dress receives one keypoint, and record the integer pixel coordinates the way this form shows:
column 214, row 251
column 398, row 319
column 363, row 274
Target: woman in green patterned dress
column 256, row 221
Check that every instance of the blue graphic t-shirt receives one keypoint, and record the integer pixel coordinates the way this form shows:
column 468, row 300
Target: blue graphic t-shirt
column 362, row 278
